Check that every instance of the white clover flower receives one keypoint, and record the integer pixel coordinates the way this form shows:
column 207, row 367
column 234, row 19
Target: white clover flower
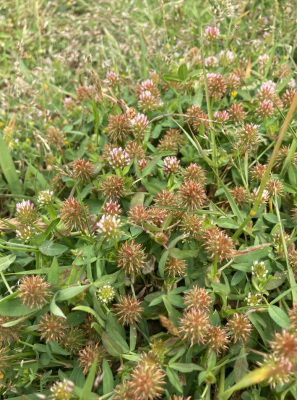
column 45, row 198
column 62, row 390
column 253, row 299
column 171, row 165
column 291, row 84
column 109, row 226
column 259, row 270
column 25, row 233
column 106, row 294
column 118, row 158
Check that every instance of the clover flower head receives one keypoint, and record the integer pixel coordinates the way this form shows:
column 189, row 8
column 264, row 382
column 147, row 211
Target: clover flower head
column 106, row 294
column 109, row 227
column 45, row 198
column 259, row 270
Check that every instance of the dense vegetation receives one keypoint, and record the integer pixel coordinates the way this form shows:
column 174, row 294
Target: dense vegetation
column 148, row 200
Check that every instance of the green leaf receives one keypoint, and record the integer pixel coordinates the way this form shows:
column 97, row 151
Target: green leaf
column 53, row 275
column 253, row 256
column 293, row 175
column 280, row 86
column 227, row 223
column 279, row 316
column 271, row 218
column 137, row 200
column 52, row 249
column 171, row 78
column 9, row 169
column 15, row 308
column 237, row 277
column 173, row 379
column 182, row 254
column 173, row 314
column 232, row 203
column 149, row 167
column 69, row 293
column 55, row 348
column 189, row 367
column 241, row 366
column 39, row 176
column 88, row 386
column 133, row 337
column 44, row 235
column 107, row 279
column 182, row 72
column 108, row 382
column 111, row 346
column 162, row 263
column 5, row 262
column 197, row 101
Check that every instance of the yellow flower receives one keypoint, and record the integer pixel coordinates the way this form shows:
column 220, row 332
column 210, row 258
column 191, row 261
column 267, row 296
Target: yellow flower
column 69, row 3
column 45, row 86
column 123, row 76
column 234, row 94
column 31, row 123
column 28, row 140
column 181, row 60
column 137, row 48
column 167, row 46
column 234, row 48
column 2, row 234
column 66, row 142
column 285, row 57
column 112, row 68
column 50, row 120
column 1, row 124
column 21, row 106
column 104, row 130
column 40, row 51
column 29, row 56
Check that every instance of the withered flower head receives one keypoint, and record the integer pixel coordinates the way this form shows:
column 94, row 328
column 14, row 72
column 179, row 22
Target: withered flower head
column 217, row 339
column 82, row 170
column 194, row 326
column 247, row 138
column 157, row 215
column 52, row 327
column 74, row 341
column 191, row 194
column 128, row 310
column 265, row 109
column 258, row 172
column 275, row 187
column 293, row 317
column 196, row 117
column 55, row 137
column 175, row 267
column 135, row 150
column 87, row 357
column 282, row 156
column 138, row 214
column 192, row 225
column 10, row 334
column 112, row 208
column 165, row 199
column 34, row 291
column 112, row 187
column 239, row 327
column 284, row 345
column 240, row 195
column 288, row 97
column 147, row 382
column 197, row 298
column 216, row 86
column 118, row 128
column 281, row 369
column 131, row 258
column 236, row 113
column 218, row 243
column 195, row 173
column 72, row 214
column 123, row 391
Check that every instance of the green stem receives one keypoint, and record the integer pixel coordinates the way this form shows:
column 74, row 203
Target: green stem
column 5, row 282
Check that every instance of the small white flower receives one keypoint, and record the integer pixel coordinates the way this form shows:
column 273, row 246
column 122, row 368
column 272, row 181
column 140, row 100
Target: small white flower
column 45, row 198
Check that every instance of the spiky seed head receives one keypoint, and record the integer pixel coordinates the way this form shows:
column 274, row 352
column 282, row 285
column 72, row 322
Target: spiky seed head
column 221, row 116
column 218, row 243
column 267, row 93
column 55, row 137
column 123, row 391
column 74, row 341
column 194, row 325
column 128, row 310
column 239, row 327
column 119, row 128
column 134, row 149
column 45, row 198
column 112, row 187
column 288, row 97
column 10, row 334
column 25, row 233
column 147, row 382
column 82, row 170
column 247, row 138
column 34, row 291
column 216, row 85
column 176, row 136
column 106, row 294
column 112, row 208
column 258, row 172
column 138, row 214
column 236, row 113
column 26, row 212
column 265, row 109
column 281, row 369
column 109, row 227
column 157, row 216
column 72, row 214
column 191, row 194
column 166, row 143
column 282, row 156
column 87, row 357
column 233, row 82
column 240, row 195
column 196, row 117
column 158, row 349
column 293, row 317
column 175, row 267
column 197, row 298
column 171, row 165
column 195, row 173
column 52, row 327
column 62, row 390
column 217, row 339
column 284, row 345
column 192, row 225
column 131, row 258
column 165, row 199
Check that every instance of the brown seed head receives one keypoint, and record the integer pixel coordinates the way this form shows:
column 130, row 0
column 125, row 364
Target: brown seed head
column 240, row 195
column 284, row 345
column 34, row 291
column 138, row 214
column 146, row 382
column 194, row 325
column 118, row 128
column 112, row 187
column 87, row 357
column 175, row 267
column 218, row 243
column 10, row 334
column 198, row 298
column 131, row 258
column 72, row 214
column 192, row 225
column 82, row 170
column 128, row 310
column 191, row 194
column 258, row 172
column 236, row 113
column 195, row 173
column 239, row 327
column 52, row 327
column 217, row 339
